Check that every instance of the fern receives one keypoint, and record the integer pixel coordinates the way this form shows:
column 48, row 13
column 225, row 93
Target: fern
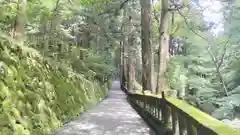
column 44, row 91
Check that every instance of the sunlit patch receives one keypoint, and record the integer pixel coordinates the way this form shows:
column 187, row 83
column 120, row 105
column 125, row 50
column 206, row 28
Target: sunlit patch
column 113, row 116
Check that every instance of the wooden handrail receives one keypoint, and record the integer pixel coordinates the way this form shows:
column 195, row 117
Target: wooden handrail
column 178, row 116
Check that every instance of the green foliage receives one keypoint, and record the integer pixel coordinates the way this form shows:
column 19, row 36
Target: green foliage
column 36, row 97
column 194, row 72
column 60, row 70
column 94, row 67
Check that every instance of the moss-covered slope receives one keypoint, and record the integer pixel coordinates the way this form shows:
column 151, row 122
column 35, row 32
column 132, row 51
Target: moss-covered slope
column 36, row 97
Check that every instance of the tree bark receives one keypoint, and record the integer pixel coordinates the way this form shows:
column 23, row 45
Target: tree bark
column 54, row 22
column 125, row 53
column 162, row 81
column 218, row 64
column 172, row 50
column 19, row 26
column 147, row 79
column 131, row 71
column 101, row 36
column 222, row 82
column 122, row 64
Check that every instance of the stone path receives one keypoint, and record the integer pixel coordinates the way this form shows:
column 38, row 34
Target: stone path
column 113, row 116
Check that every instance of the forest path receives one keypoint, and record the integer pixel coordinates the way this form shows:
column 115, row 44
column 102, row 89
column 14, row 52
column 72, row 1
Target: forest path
column 113, row 116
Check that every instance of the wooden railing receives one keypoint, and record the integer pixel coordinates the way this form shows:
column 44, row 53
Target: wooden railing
column 177, row 117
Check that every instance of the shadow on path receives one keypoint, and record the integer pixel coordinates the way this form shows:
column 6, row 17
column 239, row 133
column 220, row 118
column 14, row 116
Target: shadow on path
column 113, row 116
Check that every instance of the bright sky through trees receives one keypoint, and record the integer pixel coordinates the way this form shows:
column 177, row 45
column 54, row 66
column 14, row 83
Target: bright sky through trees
column 212, row 14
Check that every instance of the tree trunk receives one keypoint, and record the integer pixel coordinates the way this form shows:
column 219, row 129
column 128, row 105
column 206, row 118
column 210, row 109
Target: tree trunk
column 101, row 37
column 171, row 45
column 49, row 37
column 217, row 66
column 125, row 53
column 85, row 41
column 122, row 66
column 222, row 82
column 162, row 82
column 171, row 48
column 131, row 72
column 146, row 45
column 19, row 26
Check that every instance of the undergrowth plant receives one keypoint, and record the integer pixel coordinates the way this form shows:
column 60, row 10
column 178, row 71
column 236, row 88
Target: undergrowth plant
column 37, row 97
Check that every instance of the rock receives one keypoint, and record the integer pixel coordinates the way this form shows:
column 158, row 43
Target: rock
column 224, row 112
column 207, row 107
column 227, row 121
column 235, row 123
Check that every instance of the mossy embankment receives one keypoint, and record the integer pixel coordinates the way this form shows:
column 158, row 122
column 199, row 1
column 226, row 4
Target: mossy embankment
column 36, row 97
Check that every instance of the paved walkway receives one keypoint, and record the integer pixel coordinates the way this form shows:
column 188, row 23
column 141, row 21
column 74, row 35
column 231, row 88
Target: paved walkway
column 113, row 116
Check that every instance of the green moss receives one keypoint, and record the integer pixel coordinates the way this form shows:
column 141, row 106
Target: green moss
column 4, row 92
column 15, row 113
column 5, row 131
column 38, row 97
column 208, row 121
column 20, row 130
column 148, row 93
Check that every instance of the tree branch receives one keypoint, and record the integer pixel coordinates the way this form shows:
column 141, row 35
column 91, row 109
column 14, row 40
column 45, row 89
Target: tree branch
column 120, row 7
column 177, row 7
column 224, row 52
column 213, row 57
column 187, row 24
